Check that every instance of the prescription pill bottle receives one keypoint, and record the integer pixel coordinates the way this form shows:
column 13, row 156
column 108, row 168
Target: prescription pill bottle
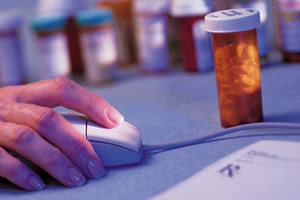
column 152, row 38
column 12, row 70
column 68, row 8
column 236, row 65
column 51, row 43
column 98, row 39
column 123, row 13
column 288, row 19
column 195, row 42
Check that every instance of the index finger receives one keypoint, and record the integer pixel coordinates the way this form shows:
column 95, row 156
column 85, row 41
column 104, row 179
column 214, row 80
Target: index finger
column 67, row 93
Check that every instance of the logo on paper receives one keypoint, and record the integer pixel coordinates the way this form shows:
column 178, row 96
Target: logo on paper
column 230, row 170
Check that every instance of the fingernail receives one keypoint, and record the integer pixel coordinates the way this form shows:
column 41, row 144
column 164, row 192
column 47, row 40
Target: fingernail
column 76, row 178
column 36, row 183
column 114, row 116
column 96, row 169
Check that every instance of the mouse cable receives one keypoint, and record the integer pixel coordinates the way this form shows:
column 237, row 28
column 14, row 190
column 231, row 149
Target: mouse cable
column 201, row 139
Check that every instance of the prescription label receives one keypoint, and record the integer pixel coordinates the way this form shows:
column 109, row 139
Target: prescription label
column 54, row 59
column 100, row 53
column 153, row 42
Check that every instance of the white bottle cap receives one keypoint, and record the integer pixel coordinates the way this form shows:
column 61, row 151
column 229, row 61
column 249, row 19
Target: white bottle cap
column 232, row 20
column 10, row 20
column 61, row 7
column 152, row 6
column 181, row 8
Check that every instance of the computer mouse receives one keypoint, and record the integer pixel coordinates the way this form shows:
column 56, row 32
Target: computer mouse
column 117, row 146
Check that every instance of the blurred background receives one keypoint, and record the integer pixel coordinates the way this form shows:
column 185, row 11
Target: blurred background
column 98, row 40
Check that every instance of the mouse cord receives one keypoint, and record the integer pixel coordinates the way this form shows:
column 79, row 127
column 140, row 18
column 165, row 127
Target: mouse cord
column 201, row 139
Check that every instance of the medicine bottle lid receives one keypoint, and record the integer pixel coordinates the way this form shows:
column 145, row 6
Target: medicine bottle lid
column 152, row 6
column 180, row 8
column 48, row 22
column 94, row 17
column 63, row 7
column 10, row 20
column 232, row 20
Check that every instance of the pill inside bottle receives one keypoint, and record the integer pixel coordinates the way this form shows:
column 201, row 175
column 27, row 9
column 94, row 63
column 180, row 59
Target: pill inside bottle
column 237, row 67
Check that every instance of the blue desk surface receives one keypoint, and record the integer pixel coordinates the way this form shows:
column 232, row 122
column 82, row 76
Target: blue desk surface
column 169, row 108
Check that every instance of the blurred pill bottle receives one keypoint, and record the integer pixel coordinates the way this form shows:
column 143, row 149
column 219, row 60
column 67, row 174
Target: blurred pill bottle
column 68, row 8
column 12, row 69
column 99, row 45
column 52, row 49
column 262, row 30
column 194, row 40
column 288, row 23
column 151, row 20
column 123, row 13
column 237, row 68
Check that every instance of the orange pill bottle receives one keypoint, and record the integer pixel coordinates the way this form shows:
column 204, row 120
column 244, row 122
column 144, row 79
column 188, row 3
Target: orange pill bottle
column 237, row 66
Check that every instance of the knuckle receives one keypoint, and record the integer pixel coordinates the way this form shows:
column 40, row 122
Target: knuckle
column 62, row 85
column 78, row 147
column 46, row 117
column 22, row 136
column 7, row 110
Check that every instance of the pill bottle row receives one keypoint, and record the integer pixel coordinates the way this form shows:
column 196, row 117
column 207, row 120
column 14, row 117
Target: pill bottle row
column 143, row 26
column 97, row 42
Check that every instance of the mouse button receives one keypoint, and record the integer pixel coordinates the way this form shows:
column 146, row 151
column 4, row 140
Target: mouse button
column 74, row 116
column 113, row 155
column 125, row 135
column 78, row 121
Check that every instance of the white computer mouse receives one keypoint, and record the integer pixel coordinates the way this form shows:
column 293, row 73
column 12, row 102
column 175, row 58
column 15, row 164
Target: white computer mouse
column 118, row 146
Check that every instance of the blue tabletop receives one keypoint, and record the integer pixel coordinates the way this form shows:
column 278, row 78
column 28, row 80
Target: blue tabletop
column 168, row 108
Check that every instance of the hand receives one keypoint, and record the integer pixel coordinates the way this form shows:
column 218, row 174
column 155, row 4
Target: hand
column 29, row 127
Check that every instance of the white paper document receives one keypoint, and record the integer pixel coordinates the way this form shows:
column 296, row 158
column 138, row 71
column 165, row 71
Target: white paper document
column 266, row 170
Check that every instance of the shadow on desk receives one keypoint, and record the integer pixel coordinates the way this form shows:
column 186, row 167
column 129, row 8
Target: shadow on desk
column 8, row 187
column 284, row 117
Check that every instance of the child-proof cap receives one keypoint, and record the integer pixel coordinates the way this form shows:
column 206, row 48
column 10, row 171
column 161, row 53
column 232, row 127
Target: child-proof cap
column 94, row 17
column 232, row 20
column 48, row 23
